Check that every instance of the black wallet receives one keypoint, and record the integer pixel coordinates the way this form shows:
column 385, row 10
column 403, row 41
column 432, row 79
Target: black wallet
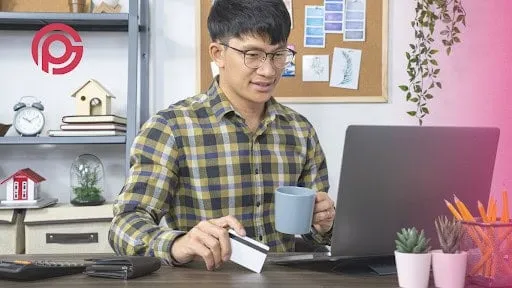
column 122, row 267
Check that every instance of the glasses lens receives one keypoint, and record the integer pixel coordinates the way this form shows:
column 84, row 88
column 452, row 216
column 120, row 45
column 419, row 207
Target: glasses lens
column 281, row 59
column 254, row 59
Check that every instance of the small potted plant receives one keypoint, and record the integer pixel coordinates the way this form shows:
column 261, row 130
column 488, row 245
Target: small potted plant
column 87, row 184
column 449, row 263
column 413, row 258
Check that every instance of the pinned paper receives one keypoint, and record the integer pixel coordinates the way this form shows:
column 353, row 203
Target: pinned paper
column 289, row 70
column 346, row 64
column 289, row 7
column 315, row 68
column 314, row 35
column 354, row 28
column 333, row 16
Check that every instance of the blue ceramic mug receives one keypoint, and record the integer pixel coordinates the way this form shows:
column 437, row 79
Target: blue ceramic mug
column 293, row 209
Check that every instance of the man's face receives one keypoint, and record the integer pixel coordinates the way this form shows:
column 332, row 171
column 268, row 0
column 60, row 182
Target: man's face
column 250, row 85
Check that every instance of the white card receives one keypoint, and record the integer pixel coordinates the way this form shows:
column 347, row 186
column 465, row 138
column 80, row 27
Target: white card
column 314, row 35
column 333, row 16
column 354, row 26
column 315, row 68
column 345, row 68
column 247, row 252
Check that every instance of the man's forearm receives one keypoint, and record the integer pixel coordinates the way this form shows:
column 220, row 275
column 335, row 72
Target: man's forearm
column 135, row 233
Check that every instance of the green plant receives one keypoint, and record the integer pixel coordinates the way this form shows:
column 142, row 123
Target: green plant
column 409, row 240
column 449, row 233
column 422, row 65
column 88, row 178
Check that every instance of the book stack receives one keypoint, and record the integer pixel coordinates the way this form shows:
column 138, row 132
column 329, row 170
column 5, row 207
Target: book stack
column 96, row 125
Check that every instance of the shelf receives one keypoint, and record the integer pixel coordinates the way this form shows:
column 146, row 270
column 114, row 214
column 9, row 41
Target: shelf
column 79, row 21
column 15, row 140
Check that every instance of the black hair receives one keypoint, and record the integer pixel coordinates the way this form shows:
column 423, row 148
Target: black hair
column 268, row 19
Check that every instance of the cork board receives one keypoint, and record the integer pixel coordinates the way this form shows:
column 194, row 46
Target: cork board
column 373, row 72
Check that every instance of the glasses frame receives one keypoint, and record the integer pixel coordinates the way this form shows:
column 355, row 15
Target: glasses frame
column 272, row 54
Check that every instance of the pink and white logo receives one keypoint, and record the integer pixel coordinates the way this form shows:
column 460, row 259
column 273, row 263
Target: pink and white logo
column 45, row 37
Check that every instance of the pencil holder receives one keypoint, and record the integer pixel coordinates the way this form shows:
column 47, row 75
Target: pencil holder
column 489, row 248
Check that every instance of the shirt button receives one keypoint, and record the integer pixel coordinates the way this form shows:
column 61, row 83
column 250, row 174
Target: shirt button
column 258, row 204
column 261, row 238
column 256, row 171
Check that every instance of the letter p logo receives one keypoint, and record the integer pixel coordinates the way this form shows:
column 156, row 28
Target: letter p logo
column 72, row 43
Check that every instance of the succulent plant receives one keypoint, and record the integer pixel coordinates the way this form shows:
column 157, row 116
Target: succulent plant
column 449, row 233
column 411, row 241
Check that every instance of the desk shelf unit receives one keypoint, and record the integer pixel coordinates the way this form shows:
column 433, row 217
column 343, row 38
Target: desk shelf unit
column 136, row 23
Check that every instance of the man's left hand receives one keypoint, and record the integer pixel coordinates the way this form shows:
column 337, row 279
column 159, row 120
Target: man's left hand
column 323, row 214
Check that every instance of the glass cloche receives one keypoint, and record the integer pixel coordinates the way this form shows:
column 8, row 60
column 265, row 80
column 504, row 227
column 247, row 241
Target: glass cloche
column 87, row 181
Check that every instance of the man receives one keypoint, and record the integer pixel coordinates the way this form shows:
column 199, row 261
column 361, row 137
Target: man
column 213, row 161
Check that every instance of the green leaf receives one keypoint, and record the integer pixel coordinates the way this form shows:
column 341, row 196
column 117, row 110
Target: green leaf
column 448, row 51
column 434, row 62
column 436, row 71
column 433, row 51
column 429, row 96
column 404, row 87
column 415, row 99
column 425, row 110
column 456, row 30
column 409, row 95
column 456, row 39
column 412, row 46
column 439, row 85
column 412, row 113
column 444, row 32
column 407, row 55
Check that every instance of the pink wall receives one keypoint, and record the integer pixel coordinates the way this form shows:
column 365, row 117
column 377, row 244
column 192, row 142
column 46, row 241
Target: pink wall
column 477, row 80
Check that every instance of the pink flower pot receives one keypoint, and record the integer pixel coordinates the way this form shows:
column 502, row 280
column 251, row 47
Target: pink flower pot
column 449, row 269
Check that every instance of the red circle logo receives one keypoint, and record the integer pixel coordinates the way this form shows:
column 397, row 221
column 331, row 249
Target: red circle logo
column 41, row 51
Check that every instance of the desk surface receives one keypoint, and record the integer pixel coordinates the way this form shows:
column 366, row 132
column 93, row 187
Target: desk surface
column 195, row 275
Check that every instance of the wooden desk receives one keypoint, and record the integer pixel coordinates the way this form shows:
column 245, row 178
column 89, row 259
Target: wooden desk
column 195, row 275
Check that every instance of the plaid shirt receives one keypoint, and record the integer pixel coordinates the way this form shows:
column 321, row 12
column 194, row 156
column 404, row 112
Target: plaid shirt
column 197, row 160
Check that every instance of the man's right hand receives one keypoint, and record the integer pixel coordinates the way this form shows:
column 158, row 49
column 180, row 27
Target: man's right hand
column 208, row 240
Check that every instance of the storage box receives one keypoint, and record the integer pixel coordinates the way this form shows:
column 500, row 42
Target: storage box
column 39, row 6
column 66, row 229
column 12, row 234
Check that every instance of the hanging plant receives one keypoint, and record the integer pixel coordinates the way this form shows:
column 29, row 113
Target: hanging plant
column 422, row 66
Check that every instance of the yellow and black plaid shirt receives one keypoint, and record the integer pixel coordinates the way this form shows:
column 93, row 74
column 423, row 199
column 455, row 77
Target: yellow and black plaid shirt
column 197, row 160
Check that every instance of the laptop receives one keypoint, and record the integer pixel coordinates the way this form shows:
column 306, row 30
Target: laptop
column 398, row 176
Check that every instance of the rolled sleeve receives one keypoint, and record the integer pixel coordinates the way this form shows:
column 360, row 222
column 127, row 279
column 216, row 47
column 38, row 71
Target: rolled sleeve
column 147, row 195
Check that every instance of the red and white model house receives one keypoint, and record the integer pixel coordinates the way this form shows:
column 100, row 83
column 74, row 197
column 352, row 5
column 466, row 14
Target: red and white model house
column 22, row 187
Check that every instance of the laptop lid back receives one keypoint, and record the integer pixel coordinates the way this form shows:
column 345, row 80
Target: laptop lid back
column 399, row 176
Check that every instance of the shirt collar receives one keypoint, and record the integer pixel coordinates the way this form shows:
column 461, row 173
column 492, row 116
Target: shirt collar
column 221, row 106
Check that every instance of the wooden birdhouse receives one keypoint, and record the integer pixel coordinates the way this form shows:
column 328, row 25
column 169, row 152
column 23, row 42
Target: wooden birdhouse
column 22, row 187
column 93, row 99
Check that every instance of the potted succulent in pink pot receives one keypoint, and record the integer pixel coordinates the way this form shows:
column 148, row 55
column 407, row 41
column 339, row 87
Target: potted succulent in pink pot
column 412, row 258
column 449, row 263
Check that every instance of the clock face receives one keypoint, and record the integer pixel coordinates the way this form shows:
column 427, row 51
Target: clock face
column 29, row 121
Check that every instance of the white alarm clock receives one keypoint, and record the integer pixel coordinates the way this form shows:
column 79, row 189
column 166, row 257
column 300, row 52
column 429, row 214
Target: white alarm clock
column 28, row 119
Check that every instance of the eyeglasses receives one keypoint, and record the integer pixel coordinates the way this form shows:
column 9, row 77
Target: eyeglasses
column 254, row 59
